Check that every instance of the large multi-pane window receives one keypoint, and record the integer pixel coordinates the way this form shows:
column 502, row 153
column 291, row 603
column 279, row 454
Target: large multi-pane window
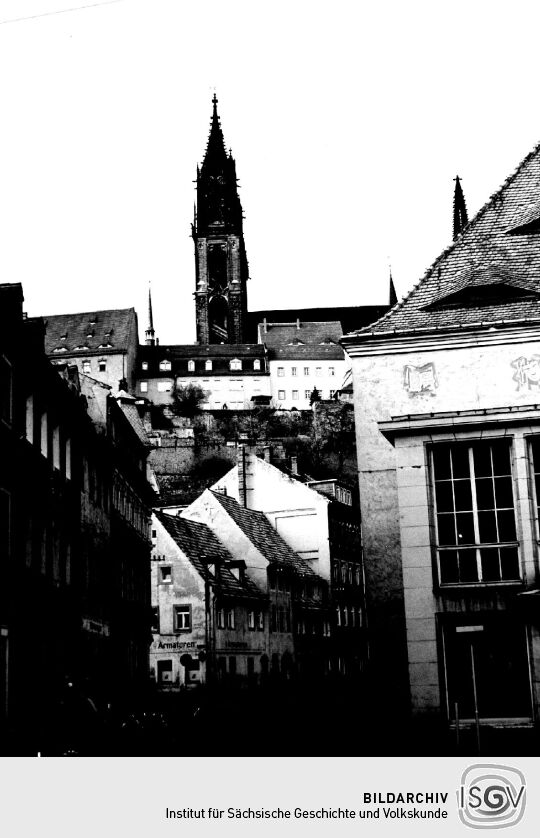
column 535, row 450
column 474, row 510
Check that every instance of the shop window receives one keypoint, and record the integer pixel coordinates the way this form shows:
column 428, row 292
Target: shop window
column 164, row 672
column 182, row 617
column 474, row 511
column 486, row 670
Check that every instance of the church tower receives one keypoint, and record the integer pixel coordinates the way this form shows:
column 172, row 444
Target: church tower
column 221, row 268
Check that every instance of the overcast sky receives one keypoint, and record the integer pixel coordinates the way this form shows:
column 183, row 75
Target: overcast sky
column 348, row 122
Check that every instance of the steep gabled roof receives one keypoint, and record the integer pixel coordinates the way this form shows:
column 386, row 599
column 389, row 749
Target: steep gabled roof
column 498, row 249
column 262, row 535
column 200, row 546
column 105, row 332
column 302, row 341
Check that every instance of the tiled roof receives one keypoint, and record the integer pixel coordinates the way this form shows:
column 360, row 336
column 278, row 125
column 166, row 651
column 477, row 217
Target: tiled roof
column 101, row 332
column 350, row 317
column 262, row 535
column 196, row 540
column 302, row 341
column 195, row 350
column 491, row 273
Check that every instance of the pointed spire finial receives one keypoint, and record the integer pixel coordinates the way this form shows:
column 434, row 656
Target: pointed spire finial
column 150, row 333
column 461, row 218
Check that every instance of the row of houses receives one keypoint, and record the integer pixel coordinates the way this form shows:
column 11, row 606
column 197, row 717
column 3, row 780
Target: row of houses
column 259, row 578
column 75, row 507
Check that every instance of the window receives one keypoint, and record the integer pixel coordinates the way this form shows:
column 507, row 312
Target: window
column 102, row 365
column 191, row 366
column 165, row 574
column 6, row 391
column 535, row 451
column 281, row 371
column 487, row 669
column 474, row 510
column 56, row 447
column 295, row 395
column 155, row 620
column 259, row 620
column 293, row 371
column 229, row 618
column 307, row 394
column 251, row 620
column 164, row 386
column 221, row 618
column 332, row 393
column 306, row 370
column 30, row 418
column 318, row 371
column 331, row 370
column 281, row 395
column 144, row 365
column 44, row 435
column 235, row 364
column 208, row 365
column 86, row 367
column 165, row 366
column 164, row 671
column 67, row 452
column 256, row 364
column 143, row 386
column 182, row 617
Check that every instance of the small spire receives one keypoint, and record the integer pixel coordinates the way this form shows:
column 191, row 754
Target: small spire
column 392, row 296
column 150, row 333
column 461, row 219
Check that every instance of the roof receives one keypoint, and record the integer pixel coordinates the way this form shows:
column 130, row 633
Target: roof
column 198, row 543
column 350, row 317
column 196, row 350
column 490, row 274
column 102, row 332
column 256, row 526
column 128, row 406
column 317, row 340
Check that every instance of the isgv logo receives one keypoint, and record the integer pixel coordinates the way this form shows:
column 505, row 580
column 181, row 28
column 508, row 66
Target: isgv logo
column 491, row 796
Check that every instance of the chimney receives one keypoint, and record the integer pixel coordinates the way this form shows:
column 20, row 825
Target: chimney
column 294, row 465
column 242, row 488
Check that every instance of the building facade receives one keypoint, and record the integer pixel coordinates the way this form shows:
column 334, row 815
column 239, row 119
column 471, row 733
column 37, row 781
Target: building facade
column 211, row 622
column 102, row 344
column 303, row 357
column 447, row 433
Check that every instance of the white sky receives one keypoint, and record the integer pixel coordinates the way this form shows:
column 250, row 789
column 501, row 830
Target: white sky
column 348, row 122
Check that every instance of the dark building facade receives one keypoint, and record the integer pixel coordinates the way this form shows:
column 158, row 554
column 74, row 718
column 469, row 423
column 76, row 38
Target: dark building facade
column 64, row 598
column 220, row 254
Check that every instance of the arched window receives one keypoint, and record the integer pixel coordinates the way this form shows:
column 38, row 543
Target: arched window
column 191, row 366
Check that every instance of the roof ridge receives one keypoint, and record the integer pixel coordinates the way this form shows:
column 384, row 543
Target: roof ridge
column 472, row 223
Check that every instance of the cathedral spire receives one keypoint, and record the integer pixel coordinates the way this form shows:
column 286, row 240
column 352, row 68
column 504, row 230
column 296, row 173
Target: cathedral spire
column 461, row 218
column 150, row 335
column 392, row 296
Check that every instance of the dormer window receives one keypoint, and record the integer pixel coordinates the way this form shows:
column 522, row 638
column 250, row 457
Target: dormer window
column 63, row 337
column 90, row 334
column 208, row 365
column 60, row 349
column 191, row 366
column 235, row 364
column 165, row 366
column 81, row 348
column 105, row 346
